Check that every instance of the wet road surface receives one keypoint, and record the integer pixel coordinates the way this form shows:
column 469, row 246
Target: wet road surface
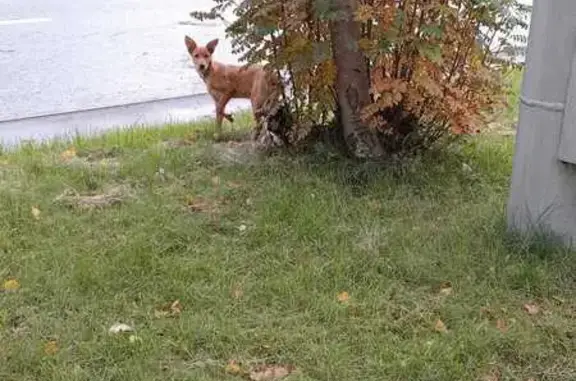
column 61, row 55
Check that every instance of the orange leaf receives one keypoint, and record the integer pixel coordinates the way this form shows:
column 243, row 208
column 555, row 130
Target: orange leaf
column 440, row 326
column 173, row 309
column 199, row 204
column 69, row 154
column 364, row 12
column 11, row 285
column 51, row 348
column 501, row 325
column 271, row 372
column 531, row 309
column 343, row 297
column 233, row 368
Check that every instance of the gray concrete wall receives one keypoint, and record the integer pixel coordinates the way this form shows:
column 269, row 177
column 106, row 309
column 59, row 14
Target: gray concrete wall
column 543, row 188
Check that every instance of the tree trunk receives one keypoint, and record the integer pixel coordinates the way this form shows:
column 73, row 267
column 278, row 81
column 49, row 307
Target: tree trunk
column 352, row 80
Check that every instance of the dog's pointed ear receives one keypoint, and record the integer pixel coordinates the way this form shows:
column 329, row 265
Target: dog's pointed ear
column 211, row 46
column 190, row 43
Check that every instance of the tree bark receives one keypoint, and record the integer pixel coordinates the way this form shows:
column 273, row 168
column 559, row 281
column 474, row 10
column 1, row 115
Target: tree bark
column 352, row 80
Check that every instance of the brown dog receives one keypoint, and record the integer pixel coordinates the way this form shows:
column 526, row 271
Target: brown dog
column 225, row 82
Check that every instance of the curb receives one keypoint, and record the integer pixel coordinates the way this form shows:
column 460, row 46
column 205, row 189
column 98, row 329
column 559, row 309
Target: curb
column 183, row 109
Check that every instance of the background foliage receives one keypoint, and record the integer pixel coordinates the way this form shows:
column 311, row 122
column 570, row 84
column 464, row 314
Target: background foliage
column 436, row 66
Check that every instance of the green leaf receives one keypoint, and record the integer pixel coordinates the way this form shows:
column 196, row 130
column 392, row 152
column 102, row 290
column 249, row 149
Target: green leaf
column 432, row 30
column 385, row 45
column 262, row 30
column 399, row 19
column 431, row 52
column 321, row 52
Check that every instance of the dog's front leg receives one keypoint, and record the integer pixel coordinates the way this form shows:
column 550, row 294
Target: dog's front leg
column 216, row 99
column 220, row 106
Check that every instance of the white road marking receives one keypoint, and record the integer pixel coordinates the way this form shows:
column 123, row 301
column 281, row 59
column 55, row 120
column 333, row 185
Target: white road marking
column 25, row 21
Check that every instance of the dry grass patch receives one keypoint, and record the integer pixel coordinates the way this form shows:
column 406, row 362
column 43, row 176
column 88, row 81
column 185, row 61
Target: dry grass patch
column 112, row 195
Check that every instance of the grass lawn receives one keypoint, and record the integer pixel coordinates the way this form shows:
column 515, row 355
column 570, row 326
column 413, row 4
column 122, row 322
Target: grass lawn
column 343, row 271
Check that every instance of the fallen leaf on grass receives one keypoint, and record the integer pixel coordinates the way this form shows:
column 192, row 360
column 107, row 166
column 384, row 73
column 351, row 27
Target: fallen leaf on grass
column 271, row 372
column 191, row 137
column 112, row 196
column 11, row 285
column 51, row 348
column 35, row 212
column 120, row 328
column 446, row 288
column 233, row 368
column 187, row 140
column 99, row 154
column 343, row 297
column 494, row 375
column 69, row 154
column 161, row 172
column 237, row 291
column 234, row 184
column 233, row 143
column 466, row 168
column 176, row 307
column 501, row 325
column 531, row 309
column 440, row 326
column 375, row 205
column 486, row 312
column 173, row 309
column 199, row 204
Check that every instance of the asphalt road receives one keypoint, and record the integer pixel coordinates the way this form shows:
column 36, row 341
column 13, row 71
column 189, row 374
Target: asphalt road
column 60, row 55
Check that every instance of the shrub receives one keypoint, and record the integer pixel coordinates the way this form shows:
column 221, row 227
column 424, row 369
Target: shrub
column 435, row 66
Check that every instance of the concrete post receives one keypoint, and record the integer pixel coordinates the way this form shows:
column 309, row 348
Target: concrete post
column 543, row 188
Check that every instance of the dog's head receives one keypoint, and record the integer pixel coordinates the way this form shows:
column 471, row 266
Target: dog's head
column 201, row 55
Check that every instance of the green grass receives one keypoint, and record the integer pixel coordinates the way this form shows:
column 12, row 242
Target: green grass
column 259, row 266
column 514, row 82
column 504, row 120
